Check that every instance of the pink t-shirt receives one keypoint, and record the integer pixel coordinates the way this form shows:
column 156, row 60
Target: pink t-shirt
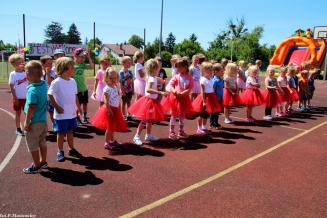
column 100, row 76
column 181, row 82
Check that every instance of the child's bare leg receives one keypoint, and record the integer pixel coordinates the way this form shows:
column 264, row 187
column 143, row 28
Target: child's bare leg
column 60, row 141
column 140, row 128
column 70, row 139
column 226, row 112
column 148, row 128
column 200, row 122
column 17, row 118
column 43, row 152
column 109, row 136
column 123, row 108
column 36, row 158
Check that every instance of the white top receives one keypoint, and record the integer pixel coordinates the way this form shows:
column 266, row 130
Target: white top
column 138, row 66
column 231, row 82
column 19, row 80
column 154, row 86
column 208, row 84
column 64, row 92
column 173, row 71
column 249, row 81
column 113, row 95
column 195, row 72
column 282, row 81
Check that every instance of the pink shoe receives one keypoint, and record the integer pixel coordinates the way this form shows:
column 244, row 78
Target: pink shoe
column 172, row 136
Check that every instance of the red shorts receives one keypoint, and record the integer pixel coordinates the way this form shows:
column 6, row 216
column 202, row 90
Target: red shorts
column 19, row 105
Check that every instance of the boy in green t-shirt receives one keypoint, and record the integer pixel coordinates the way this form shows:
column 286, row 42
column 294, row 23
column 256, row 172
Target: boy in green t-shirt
column 83, row 96
column 36, row 119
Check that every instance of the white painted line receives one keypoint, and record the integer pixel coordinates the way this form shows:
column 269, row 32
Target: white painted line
column 14, row 148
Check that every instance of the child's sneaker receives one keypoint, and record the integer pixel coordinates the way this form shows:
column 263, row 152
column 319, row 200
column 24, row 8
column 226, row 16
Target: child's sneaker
column 111, row 146
column 268, row 117
column 278, row 115
column 19, row 132
column 31, row 170
column 150, row 138
column 79, row 121
column 205, row 130
column 172, row 136
column 44, row 165
column 60, row 156
column 228, row 121
column 137, row 140
column 182, row 134
column 200, row 132
column 74, row 153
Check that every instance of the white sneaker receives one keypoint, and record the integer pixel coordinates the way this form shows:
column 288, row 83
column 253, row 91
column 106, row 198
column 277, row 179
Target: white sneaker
column 268, row 117
column 151, row 138
column 137, row 140
column 228, row 121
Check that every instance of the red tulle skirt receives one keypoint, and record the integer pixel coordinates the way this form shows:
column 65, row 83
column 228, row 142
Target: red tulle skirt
column 231, row 100
column 116, row 123
column 147, row 109
column 212, row 104
column 286, row 95
column 252, row 97
column 272, row 97
column 178, row 106
column 294, row 94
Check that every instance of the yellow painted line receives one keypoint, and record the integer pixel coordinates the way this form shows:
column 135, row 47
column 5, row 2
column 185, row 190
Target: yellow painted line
column 216, row 176
column 294, row 128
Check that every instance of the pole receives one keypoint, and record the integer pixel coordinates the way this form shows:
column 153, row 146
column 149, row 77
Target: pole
column 94, row 48
column 24, row 35
column 231, row 51
column 325, row 68
column 144, row 41
column 162, row 2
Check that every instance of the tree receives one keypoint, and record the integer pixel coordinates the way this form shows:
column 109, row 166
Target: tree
column 73, row 36
column 188, row 48
column 86, row 41
column 193, row 37
column 137, row 41
column 53, row 33
column 166, row 56
column 152, row 50
column 170, row 43
column 90, row 44
column 236, row 29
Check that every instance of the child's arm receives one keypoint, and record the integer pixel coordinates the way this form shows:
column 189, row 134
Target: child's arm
column 96, row 82
column 226, row 86
column 59, row 109
column 153, row 91
column 91, row 64
column 203, row 95
column 47, row 71
column 13, row 92
column 106, row 101
column 141, row 72
column 29, row 115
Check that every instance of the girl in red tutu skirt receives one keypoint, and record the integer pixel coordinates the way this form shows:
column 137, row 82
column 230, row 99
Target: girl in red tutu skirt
column 207, row 102
column 291, row 72
column 178, row 103
column 109, row 116
column 271, row 94
column 231, row 97
column 148, row 108
column 285, row 92
column 252, row 95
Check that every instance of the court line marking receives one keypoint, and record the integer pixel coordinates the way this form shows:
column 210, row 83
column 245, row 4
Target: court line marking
column 14, row 148
column 288, row 127
column 216, row 176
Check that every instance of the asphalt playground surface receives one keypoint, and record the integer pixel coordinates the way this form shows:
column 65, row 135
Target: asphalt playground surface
column 264, row 169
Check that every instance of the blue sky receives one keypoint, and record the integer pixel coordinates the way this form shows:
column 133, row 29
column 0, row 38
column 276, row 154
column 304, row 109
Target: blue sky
column 117, row 20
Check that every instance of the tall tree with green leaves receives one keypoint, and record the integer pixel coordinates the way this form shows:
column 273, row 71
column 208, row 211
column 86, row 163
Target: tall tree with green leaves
column 137, row 41
column 189, row 47
column 53, row 33
column 170, row 43
column 90, row 44
column 73, row 35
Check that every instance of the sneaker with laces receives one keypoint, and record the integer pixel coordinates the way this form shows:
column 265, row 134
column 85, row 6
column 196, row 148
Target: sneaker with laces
column 31, row 170
column 44, row 165
column 151, row 138
column 85, row 120
column 268, row 117
column 172, row 136
column 20, row 132
column 137, row 140
column 60, row 156
column 112, row 146
column 74, row 153
column 228, row 121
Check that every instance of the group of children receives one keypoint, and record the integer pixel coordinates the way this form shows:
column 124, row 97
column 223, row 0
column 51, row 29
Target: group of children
column 201, row 90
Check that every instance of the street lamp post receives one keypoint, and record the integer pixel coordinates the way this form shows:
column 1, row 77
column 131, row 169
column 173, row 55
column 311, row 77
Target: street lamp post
column 162, row 2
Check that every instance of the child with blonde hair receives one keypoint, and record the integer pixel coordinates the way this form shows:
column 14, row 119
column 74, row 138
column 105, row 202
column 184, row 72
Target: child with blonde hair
column 241, row 79
column 195, row 72
column 148, row 108
column 139, row 82
column 206, row 103
column 173, row 61
column 18, row 87
column 62, row 94
column 285, row 92
column 231, row 93
column 109, row 116
column 291, row 74
column 99, row 82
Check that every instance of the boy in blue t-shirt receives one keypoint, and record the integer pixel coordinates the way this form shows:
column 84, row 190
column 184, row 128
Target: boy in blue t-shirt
column 35, row 123
column 218, row 86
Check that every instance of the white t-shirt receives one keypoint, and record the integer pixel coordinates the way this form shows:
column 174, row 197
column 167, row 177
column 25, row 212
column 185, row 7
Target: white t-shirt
column 113, row 95
column 154, row 86
column 249, row 81
column 282, row 81
column 20, row 82
column 208, row 84
column 138, row 66
column 64, row 92
column 195, row 72
column 173, row 71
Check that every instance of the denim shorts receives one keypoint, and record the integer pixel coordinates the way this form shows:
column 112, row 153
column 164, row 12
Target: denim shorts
column 64, row 126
